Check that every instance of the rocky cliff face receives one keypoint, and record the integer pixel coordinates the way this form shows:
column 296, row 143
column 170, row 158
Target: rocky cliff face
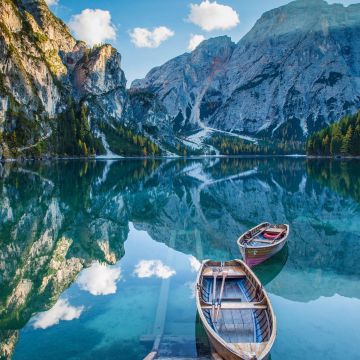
column 182, row 83
column 27, row 79
column 41, row 67
column 51, row 85
column 296, row 70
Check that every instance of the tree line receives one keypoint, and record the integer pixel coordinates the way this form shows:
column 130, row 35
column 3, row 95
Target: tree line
column 128, row 142
column 231, row 145
column 72, row 133
column 338, row 139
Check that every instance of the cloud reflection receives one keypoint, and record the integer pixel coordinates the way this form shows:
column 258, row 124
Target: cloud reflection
column 149, row 268
column 62, row 310
column 194, row 263
column 99, row 279
column 191, row 285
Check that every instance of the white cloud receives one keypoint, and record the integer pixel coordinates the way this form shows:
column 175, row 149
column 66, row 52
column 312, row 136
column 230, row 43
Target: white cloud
column 194, row 41
column 213, row 16
column 99, row 279
column 52, row 2
column 191, row 285
column 62, row 310
column 145, row 38
column 148, row 268
column 194, row 263
column 93, row 26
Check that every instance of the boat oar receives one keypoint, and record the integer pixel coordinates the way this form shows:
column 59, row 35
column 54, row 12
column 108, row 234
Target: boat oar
column 224, row 274
column 253, row 236
column 215, row 273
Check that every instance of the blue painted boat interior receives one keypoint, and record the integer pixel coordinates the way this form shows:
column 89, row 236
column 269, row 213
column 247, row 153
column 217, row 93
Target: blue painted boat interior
column 234, row 326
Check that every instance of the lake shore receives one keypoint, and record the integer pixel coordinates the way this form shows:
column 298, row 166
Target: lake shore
column 116, row 158
column 113, row 158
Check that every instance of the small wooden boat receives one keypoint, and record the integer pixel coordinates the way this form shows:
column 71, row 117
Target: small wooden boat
column 235, row 310
column 261, row 242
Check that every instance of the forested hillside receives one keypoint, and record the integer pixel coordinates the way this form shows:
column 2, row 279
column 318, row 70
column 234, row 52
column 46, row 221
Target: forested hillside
column 339, row 139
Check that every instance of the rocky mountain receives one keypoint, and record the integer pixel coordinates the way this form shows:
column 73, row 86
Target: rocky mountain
column 182, row 83
column 53, row 87
column 296, row 70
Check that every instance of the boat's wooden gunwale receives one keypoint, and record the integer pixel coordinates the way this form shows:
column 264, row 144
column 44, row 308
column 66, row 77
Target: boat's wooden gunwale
column 227, row 350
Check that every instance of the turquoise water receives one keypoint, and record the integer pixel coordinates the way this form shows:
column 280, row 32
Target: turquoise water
column 99, row 258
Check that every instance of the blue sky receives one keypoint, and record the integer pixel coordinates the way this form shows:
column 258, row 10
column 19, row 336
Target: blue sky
column 121, row 17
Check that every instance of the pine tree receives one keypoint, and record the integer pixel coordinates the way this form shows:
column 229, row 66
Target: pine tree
column 84, row 127
column 326, row 145
column 356, row 140
column 339, row 138
column 346, row 147
column 336, row 141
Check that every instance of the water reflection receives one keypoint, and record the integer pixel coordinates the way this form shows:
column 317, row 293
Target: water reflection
column 63, row 218
column 268, row 271
column 99, row 279
column 61, row 311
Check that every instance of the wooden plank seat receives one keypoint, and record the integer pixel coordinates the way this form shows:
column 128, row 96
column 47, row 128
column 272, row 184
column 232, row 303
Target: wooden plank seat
column 232, row 271
column 263, row 241
column 230, row 305
column 274, row 230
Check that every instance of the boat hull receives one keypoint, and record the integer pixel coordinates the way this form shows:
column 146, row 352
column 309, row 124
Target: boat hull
column 266, row 248
column 256, row 255
column 225, row 353
column 250, row 295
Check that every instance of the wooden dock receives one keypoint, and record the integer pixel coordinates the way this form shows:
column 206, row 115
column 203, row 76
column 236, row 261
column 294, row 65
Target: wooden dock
column 163, row 345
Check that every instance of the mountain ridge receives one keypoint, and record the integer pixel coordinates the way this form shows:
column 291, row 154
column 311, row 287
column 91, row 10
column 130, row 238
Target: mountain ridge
column 53, row 87
column 288, row 62
column 294, row 72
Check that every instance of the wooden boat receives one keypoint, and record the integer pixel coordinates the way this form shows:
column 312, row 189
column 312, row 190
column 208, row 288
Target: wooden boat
column 261, row 242
column 235, row 310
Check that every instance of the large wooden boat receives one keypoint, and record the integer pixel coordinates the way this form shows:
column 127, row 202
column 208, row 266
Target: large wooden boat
column 261, row 242
column 235, row 310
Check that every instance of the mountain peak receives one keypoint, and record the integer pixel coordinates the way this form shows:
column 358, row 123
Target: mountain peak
column 293, row 72
column 303, row 16
column 310, row 2
column 215, row 41
column 54, row 28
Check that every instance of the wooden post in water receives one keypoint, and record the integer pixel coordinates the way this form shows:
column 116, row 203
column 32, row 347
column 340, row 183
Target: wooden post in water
column 161, row 310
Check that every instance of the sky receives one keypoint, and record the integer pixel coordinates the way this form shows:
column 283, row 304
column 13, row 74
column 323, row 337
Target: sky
column 148, row 33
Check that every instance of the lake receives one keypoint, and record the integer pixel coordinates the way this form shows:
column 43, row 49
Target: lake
column 99, row 258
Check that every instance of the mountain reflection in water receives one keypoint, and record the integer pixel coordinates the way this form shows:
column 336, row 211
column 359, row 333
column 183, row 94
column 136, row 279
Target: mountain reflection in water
column 61, row 219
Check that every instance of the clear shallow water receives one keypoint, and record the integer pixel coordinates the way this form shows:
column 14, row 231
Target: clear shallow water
column 98, row 258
